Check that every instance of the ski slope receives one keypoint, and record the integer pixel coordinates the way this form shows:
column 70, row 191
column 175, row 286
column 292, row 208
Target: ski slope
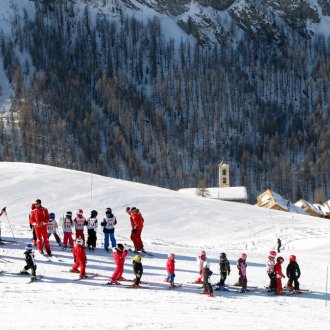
column 173, row 223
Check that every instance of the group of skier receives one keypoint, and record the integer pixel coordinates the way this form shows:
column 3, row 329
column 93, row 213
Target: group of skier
column 44, row 225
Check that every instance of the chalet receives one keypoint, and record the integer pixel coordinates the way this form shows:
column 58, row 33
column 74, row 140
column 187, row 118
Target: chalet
column 310, row 208
column 272, row 200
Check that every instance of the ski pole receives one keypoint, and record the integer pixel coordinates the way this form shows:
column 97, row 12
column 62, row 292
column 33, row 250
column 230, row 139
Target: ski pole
column 10, row 227
column 326, row 287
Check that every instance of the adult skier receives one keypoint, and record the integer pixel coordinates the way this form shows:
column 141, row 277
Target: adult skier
column 39, row 219
column 137, row 223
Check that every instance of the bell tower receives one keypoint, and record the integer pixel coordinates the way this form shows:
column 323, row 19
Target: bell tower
column 224, row 175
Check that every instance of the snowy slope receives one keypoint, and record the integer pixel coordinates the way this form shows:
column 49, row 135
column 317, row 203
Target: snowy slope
column 173, row 222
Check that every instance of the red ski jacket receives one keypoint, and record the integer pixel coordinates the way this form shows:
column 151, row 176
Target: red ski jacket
column 119, row 257
column 170, row 266
column 278, row 270
column 79, row 253
column 136, row 220
column 39, row 217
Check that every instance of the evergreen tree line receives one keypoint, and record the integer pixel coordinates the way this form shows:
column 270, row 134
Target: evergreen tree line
column 115, row 97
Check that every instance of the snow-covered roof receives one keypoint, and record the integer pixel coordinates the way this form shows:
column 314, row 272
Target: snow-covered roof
column 313, row 207
column 228, row 193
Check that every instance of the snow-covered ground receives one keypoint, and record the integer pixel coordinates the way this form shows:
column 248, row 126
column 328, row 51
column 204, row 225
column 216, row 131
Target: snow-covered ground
column 173, row 223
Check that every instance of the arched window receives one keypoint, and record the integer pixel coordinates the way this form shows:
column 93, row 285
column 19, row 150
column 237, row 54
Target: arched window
column 224, row 180
column 224, row 172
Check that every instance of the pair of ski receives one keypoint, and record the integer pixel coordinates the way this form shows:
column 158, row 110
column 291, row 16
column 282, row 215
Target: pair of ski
column 87, row 276
column 51, row 258
column 142, row 253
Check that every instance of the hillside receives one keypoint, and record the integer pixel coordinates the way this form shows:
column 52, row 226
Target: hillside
column 160, row 93
column 173, row 222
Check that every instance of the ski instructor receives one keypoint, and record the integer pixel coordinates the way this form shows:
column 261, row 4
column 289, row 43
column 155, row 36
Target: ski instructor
column 137, row 222
column 39, row 219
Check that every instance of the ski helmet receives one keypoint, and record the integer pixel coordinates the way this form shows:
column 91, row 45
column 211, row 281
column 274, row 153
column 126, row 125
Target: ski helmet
column 171, row 256
column 243, row 256
column 52, row 216
column 223, row 255
column 280, row 259
column 202, row 254
column 80, row 241
column 94, row 214
column 292, row 258
column 108, row 210
column 206, row 264
column 120, row 247
column 80, row 212
column 69, row 214
column 137, row 258
column 29, row 247
column 272, row 254
column 38, row 201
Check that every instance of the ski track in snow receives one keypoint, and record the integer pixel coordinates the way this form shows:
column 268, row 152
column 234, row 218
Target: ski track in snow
column 173, row 223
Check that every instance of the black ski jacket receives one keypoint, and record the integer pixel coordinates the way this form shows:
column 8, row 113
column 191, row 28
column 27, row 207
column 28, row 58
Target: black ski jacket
column 293, row 270
column 224, row 266
column 138, row 269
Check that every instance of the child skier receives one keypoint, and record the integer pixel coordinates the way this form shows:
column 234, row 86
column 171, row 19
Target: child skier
column 108, row 225
column 52, row 228
column 67, row 230
column 92, row 227
column 200, row 260
column 34, row 236
column 79, row 257
column 170, row 267
column 119, row 255
column 138, row 270
column 279, row 275
column 30, row 262
column 293, row 273
column 241, row 266
column 224, row 271
column 79, row 224
column 270, row 271
column 207, row 273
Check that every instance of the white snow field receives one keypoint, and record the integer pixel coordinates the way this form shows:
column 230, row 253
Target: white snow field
column 173, row 223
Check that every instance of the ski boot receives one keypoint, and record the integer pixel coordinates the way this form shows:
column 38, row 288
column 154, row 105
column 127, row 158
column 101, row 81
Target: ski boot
column 49, row 253
column 199, row 281
column 82, row 276
column 33, row 278
column 41, row 252
column 297, row 291
column 211, row 295
column 136, row 286
column 24, row 272
column 73, row 271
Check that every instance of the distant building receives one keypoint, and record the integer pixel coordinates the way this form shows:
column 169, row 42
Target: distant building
column 310, row 208
column 224, row 178
column 272, row 200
